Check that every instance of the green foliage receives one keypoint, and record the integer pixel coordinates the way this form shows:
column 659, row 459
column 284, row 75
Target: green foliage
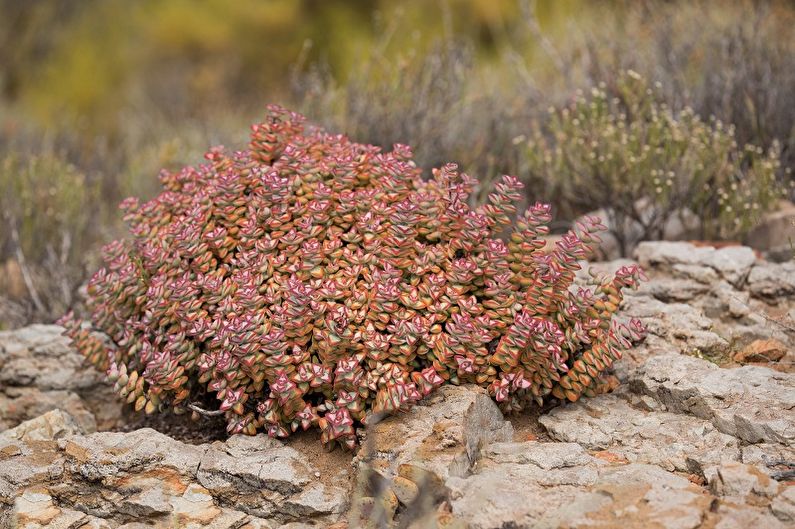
column 632, row 153
column 48, row 209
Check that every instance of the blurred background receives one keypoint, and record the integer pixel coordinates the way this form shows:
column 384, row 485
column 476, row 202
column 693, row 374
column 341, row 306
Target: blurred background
column 97, row 96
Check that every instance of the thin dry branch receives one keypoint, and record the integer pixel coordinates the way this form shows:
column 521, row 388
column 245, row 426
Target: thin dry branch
column 26, row 275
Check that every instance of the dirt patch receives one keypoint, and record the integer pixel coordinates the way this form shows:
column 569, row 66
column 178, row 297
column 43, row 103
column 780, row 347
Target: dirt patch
column 330, row 463
column 526, row 426
column 179, row 427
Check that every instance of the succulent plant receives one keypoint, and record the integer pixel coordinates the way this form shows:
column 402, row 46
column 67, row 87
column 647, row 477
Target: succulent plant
column 310, row 281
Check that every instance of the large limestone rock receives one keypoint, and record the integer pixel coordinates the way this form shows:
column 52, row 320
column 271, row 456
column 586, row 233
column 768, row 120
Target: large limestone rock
column 754, row 404
column 114, row 478
column 733, row 263
column 444, row 433
column 676, row 326
column 39, row 372
column 552, row 485
column 642, row 433
column 772, row 281
column 775, row 232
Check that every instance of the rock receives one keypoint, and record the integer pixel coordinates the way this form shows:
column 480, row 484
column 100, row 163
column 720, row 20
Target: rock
column 39, row 356
column 39, row 372
column 37, row 509
column 680, row 325
column 520, row 483
column 551, row 485
column 739, row 481
column 674, row 442
column 733, row 263
column 150, row 478
column 52, row 425
column 646, row 496
column 732, row 516
column 19, row 404
column 754, row 404
column 681, row 443
column 697, row 272
column 108, row 455
column 775, row 232
column 669, row 290
column 665, row 255
column 442, row 434
column 572, row 489
column 771, row 280
column 762, row 351
column 783, row 505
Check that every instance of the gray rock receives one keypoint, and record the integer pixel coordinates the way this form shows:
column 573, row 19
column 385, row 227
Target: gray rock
column 733, row 263
column 39, row 356
column 671, row 441
column 683, row 327
column 149, row 477
column 733, row 516
column 754, row 404
column 23, row 464
column 37, row 509
column 665, row 254
column 39, row 372
column 250, row 467
column 647, row 496
column 671, row 290
column 701, row 273
column 520, row 483
column 740, row 482
column 443, row 433
column 510, row 489
column 19, row 404
column 761, row 454
column 106, row 455
column 771, row 280
column 52, row 425
column 783, row 505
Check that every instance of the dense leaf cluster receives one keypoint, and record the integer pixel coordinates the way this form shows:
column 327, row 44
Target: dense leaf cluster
column 313, row 281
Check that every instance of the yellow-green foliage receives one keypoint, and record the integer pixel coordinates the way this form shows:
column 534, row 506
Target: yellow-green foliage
column 630, row 152
column 93, row 58
column 43, row 199
column 49, row 221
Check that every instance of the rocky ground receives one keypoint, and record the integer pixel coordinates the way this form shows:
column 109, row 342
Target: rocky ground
column 700, row 434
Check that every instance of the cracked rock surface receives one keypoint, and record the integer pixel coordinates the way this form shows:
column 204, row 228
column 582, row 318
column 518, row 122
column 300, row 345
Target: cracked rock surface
column 39, row 373
column 700, row 434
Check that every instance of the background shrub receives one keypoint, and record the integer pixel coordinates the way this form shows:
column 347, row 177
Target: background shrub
column 48, row 207
column 645, row 163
